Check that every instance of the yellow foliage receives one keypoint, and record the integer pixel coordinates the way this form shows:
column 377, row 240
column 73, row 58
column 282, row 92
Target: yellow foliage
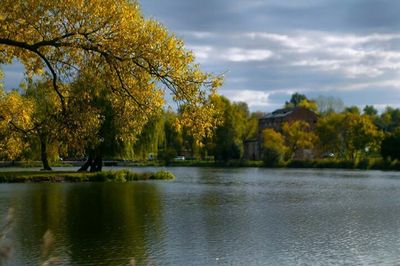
column 298, row 136
column 308, row 104
column 15, row 120
column 136, row 60
column 348, row 135
column 274, row 140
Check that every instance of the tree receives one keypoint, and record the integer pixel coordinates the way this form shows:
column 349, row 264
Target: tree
column 273, row 148
column 362, row 136
column 348, row 135
column 149, row 140
column 173, row 142
column 370, row 110
column 252, row 125
column 15, row 122
column 352, row 110
column 295, row 100
column 227, row 143
column 44, row 129
column 309, row 104
column 389, row 120
column 298, row 137
column 300, row 100
column 329, row 104
column 390, row 146
column 330, row 130
column 233, row 130
column 109, row 44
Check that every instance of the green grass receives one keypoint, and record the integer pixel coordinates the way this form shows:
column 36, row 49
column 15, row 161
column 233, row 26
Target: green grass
column 69, row 176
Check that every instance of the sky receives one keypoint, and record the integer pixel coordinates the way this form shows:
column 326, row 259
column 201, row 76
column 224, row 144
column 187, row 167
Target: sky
column 269, row 49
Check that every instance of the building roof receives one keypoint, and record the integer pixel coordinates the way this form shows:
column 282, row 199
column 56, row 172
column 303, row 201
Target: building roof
column 279, row 113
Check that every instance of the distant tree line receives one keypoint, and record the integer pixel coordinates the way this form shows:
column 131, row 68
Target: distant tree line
column 342, row 133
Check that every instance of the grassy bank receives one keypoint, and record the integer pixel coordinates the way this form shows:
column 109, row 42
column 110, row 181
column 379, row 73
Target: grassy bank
column 365, row 164
column 371, row 163
column 69, row 176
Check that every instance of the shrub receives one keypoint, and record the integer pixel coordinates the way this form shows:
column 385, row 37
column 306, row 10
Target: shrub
column 164, row 175
column 271, row 157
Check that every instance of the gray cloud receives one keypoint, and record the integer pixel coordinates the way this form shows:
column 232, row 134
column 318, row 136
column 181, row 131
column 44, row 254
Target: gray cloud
column 276, row 15
column 309, row 61
column 375, row 15
column 270, row 49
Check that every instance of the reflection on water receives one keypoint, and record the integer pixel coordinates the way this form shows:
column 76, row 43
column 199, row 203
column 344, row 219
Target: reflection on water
column 213, row 217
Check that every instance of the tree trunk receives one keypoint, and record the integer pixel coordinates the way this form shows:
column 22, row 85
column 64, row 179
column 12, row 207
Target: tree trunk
column 94, row 162
column 87, row 164
column 97, row 164
column 43, row 150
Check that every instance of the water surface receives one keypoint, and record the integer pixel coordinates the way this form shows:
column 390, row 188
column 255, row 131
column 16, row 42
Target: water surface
column 210, row 216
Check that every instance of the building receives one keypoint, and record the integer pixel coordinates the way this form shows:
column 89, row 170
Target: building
column 251, row 150
column 275, row 120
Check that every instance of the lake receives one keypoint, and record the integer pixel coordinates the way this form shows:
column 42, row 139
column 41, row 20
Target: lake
column 211, row 216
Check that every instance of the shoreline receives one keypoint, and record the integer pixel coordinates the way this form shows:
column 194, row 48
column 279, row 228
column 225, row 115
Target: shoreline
column 120, row 176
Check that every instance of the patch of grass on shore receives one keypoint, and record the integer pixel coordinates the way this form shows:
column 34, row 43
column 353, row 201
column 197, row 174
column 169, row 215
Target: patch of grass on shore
column 69, row 176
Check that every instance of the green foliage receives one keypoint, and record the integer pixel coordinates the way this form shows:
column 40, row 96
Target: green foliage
column 352, row 110
column 336, row 164
column 295, row 100
column 389, row 120
column 271, row 156
column 252, row 125
column 230, row 135
column 120, row 176
column 162, row 175
column 151, row 137
column 370, row 110
column 300, row 100
column 173, row 142
column 390, row 146
column 348, row 135
column 167, row 155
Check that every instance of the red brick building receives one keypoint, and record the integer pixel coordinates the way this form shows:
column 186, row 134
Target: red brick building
column 275, row 120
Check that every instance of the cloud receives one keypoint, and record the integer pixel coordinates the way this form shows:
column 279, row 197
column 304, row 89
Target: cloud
column 244, row 55
column 251, row 97
column 270, row 49
column 233, row 54
column 311, row 62
column 350, row 56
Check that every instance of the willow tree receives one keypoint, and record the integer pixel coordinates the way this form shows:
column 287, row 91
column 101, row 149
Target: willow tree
column 46, row 129
column 133, row 59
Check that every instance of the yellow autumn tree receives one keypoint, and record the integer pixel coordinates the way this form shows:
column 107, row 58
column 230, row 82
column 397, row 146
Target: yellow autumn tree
column 47, row 133
column 135, row 61
column 298, row 137
column 15, row 122
column 350, row 136
column 273, row 148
